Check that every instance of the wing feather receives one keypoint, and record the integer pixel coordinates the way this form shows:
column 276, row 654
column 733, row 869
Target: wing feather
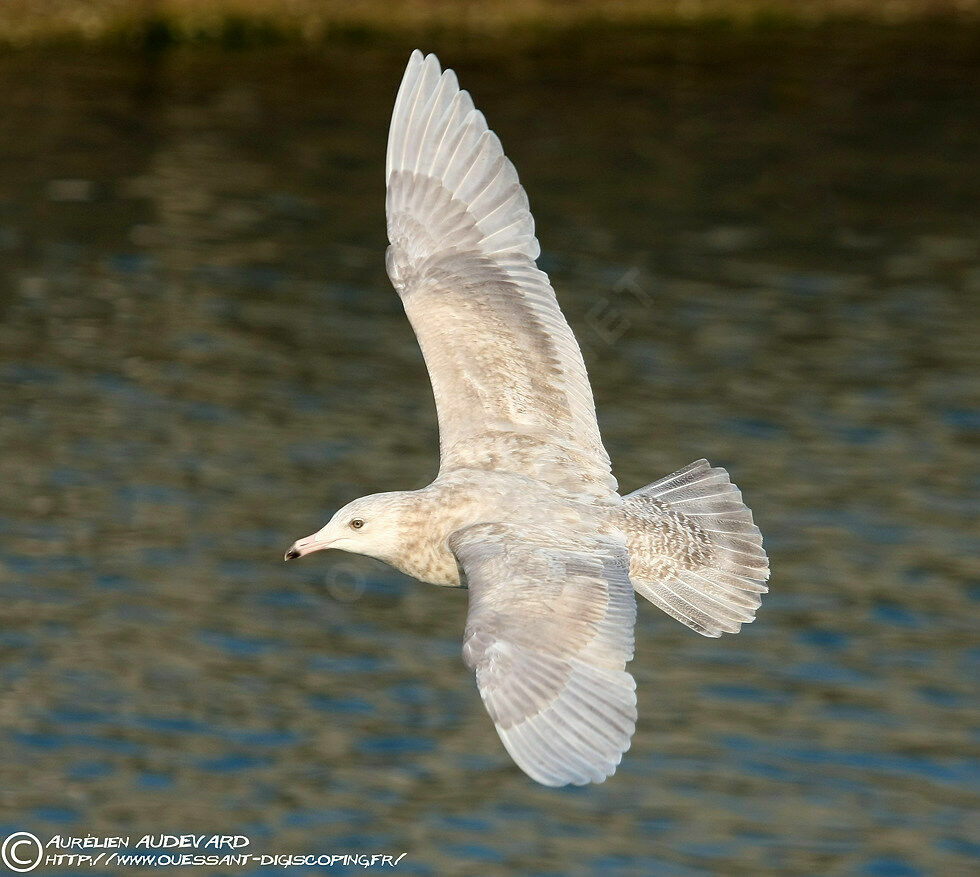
column 510, row 385
column 548, row 634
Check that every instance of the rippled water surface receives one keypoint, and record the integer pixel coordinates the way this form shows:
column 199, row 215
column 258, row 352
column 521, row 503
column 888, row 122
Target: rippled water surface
column 767, row 244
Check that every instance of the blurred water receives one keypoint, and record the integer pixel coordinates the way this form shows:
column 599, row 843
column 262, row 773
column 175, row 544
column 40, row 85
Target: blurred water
column 767, row 244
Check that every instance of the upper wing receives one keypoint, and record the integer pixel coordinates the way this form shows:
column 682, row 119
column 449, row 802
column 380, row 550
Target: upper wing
column 510, row 385
column 549, row 632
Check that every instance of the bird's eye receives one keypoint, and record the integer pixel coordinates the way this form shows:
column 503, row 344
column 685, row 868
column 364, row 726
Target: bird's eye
column 357, row 523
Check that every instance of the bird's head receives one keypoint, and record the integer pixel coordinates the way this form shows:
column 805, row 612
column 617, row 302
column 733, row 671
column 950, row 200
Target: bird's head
column 370, row 525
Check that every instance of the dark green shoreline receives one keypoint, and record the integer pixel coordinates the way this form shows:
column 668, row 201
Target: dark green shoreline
column 234, row 29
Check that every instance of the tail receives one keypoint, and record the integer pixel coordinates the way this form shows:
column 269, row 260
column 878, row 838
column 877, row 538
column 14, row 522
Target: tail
column 695, row 551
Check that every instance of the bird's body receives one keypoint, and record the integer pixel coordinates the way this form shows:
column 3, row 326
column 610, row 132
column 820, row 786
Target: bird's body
column 525, row 511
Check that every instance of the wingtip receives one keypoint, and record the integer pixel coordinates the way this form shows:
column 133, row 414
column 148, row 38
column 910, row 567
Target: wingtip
column 431, row 60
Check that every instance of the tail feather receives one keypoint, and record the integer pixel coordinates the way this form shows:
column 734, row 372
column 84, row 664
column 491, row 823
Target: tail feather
column 695, row 551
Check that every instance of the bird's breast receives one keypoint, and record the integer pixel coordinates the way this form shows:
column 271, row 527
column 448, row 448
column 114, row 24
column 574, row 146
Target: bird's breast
column 428, row 559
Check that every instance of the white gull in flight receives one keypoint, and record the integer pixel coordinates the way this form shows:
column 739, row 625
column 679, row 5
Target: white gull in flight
column 525, row 511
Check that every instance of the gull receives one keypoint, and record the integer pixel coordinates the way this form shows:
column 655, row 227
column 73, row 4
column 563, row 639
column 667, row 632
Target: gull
column 525, row 511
